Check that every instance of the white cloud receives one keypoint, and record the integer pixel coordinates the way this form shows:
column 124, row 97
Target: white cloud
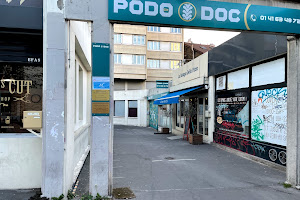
column 208, row 37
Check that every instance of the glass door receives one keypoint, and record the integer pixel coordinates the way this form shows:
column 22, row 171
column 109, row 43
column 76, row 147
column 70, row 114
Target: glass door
column 202, row 120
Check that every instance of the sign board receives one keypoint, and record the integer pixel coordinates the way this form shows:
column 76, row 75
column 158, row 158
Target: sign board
column 162, row 84
column 100, row 79
column 100, row 57
column 101, row 83
column 207, row 14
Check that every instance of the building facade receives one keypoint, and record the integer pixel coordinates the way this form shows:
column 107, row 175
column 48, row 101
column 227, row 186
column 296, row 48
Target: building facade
column 251, row 95
column 144, row 57
column 27, row 86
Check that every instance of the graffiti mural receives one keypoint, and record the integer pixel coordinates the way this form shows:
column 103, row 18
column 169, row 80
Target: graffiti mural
column 153, row 115
column 232, row 111
column 264, row 151
column 269, row 116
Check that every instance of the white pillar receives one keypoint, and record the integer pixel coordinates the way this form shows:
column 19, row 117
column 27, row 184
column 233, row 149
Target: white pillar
column 101, row 156
column 53, row 99
column 293, row 126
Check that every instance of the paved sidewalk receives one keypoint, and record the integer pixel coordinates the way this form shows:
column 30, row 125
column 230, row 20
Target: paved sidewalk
column 155, row 168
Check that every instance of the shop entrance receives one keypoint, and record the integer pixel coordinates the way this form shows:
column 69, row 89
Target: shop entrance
column 202, row 117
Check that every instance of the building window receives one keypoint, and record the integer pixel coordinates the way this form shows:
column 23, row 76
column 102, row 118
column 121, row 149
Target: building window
column 175, row 64
column 138, row 39
column 153, row 45
column 153, row 28
column 138, row 59
column 118, row 39
column 118, row 58
column 175, row 30
column 132, row 108
column 81, row 85
column 153, row 64
column 21, row 90
column 119, row 109
column 175, row 46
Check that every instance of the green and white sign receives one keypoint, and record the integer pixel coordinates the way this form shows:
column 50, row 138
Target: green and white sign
column 162, row 84
column 206, row 14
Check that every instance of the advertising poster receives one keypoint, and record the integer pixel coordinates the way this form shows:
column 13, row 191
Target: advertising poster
column 232, row 112
column 269, row 116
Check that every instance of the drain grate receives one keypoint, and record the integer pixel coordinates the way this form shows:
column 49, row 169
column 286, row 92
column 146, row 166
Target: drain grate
column 169, row 158
column 123, row 193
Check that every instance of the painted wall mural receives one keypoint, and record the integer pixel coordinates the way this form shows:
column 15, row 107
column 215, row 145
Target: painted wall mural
column 264, row 151
column 153, row 115
column 232, row 110
column 269, row 116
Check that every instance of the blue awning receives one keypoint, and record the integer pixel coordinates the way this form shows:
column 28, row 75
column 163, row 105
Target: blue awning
column 174, row 96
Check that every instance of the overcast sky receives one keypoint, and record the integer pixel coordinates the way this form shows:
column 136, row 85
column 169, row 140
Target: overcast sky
column 208, row 37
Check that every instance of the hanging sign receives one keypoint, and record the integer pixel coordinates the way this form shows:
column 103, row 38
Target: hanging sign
column 207, row 14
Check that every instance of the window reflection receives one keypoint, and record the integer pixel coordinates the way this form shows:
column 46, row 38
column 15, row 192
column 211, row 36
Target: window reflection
column 21, row 89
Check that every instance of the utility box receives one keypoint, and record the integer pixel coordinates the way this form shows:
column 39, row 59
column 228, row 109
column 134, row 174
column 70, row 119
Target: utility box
column 32, row 119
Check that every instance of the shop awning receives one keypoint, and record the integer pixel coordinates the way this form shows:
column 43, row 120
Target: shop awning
column 174, row 96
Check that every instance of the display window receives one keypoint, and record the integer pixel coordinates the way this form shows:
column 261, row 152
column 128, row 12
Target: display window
column 21, row 89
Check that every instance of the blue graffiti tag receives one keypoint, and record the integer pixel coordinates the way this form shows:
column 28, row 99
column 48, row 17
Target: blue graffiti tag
column 279, row 94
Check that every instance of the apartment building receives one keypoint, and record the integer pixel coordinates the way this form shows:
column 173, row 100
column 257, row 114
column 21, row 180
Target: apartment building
column 144, row 56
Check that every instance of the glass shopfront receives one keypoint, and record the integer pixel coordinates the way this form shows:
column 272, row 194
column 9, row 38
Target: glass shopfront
column 20, row 90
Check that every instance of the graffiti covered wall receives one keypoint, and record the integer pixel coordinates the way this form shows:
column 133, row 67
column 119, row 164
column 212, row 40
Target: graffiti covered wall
column 264, row 151
column 153, row 115
column 232, row 111
column 269, row 116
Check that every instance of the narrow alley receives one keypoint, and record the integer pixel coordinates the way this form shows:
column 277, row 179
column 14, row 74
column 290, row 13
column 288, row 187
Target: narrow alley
column 155, row 167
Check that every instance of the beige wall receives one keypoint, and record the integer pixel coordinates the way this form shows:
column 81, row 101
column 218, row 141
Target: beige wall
column 164, row 55
column 159, row 74
column 130, row 29
column 165, row 37
column 130, row 49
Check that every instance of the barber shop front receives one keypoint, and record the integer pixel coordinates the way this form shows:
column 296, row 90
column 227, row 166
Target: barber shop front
column 21, row 94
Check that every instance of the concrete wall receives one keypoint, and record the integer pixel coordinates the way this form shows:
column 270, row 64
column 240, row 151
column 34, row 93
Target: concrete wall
column 141, row 97
column 20, row 161
column 211, row 109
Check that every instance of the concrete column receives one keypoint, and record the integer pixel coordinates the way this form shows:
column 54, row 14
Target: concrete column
column 211, row 108
column 293, row 112
column 101, row 156
column 53, row 99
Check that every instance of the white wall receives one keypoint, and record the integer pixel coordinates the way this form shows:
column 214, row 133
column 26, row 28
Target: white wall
column 20, row 162
column 164, row 64
column 165, row 46
column 77, row 132
column 165, row 29
column 141, row 97
column 126, row 39
column 126, row 59
column 211, row 109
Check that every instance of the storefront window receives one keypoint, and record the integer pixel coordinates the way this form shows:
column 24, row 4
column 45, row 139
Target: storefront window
column 232, row 110
column 21, row 90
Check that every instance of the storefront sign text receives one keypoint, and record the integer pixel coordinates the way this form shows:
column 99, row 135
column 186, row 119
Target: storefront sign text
column 208, row 14
column 16, row 86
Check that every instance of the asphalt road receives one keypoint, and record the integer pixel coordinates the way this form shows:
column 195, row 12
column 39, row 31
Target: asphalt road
column 142, row 162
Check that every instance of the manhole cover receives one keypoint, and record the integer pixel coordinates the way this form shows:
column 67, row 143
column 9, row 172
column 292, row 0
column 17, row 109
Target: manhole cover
column 123, row 193
column 169, row 158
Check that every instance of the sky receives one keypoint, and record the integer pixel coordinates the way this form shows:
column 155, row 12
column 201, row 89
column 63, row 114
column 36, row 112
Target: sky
column 208, row 37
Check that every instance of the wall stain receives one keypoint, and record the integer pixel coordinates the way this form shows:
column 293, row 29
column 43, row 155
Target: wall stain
column 60, row 4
